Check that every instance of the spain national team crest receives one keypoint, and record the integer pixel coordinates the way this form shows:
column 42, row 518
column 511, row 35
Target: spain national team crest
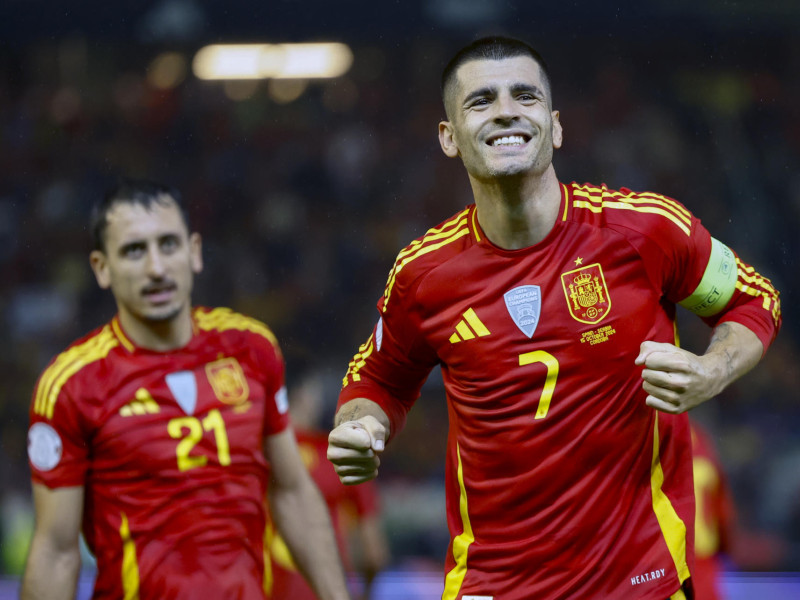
column 227, row 380
column 587, row 294
column 524, row 304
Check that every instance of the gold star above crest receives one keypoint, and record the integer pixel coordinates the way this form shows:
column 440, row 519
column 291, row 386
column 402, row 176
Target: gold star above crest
column 578, row 261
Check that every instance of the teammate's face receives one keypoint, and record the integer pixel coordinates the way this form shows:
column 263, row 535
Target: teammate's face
column 501, row 123
column 149, row 262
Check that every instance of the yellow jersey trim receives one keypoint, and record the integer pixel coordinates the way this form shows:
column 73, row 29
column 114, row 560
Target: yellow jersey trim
column 223, row 319
column 599, row 199
column 66, row 365
column 130, row 565
column 672, row 527
column 461, row 543
column 452, row 230
column 359, row 360
column 475, row 224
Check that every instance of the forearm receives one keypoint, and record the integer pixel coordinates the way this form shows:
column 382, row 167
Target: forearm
column 732, row 352
column 303, row 521
column 51, row 573
column 362, row 407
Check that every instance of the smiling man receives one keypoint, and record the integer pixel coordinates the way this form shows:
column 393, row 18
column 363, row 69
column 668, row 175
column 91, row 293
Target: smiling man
column 550, row 308
column 159, row 434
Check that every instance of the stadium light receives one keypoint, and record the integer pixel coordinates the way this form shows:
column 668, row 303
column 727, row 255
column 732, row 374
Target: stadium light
column 272, row 61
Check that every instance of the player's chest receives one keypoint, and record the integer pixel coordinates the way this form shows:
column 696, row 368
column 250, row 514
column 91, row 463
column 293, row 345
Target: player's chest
column 582, row 299
column 184, row 414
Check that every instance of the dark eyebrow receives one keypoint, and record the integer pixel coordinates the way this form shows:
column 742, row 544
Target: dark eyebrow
column 516, row 88
column 132, row 245
column 527, row 87
column 486, row 91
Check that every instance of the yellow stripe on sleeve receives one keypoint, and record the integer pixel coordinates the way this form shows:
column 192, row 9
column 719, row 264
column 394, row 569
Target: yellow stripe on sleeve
column 359, row 360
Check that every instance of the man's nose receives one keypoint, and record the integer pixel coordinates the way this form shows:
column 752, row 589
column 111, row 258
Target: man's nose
column 155, row 263
column 506, row 108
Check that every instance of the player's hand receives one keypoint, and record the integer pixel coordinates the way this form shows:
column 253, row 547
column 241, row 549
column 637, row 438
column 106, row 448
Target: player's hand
column 676, row 380
column 354, row 448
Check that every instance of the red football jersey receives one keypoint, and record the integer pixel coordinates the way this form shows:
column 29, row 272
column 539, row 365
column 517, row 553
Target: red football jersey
column 345, row 503
column 169, row 448
column 561, row 482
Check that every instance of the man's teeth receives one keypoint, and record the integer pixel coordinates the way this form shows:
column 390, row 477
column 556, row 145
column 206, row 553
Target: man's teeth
column 509, row 140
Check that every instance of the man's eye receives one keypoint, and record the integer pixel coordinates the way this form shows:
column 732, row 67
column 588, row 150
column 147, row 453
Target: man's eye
column 133, row 251
column 169, row 244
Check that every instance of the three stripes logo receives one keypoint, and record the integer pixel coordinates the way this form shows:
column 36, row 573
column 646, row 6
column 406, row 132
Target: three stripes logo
column 468, row 328
column 143, row 405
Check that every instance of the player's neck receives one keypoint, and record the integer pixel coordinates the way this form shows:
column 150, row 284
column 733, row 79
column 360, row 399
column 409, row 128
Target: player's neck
column 159, row 336
column 520, row 212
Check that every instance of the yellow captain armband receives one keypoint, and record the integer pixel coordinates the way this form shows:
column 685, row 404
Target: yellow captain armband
column 718, row 283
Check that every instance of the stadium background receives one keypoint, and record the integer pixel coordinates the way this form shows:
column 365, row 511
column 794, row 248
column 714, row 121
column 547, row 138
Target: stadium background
column 304, row 192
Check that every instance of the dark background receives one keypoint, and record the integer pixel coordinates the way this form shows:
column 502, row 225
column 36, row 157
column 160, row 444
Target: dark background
column 304, row 204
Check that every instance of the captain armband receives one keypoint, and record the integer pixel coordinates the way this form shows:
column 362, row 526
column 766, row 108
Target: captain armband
column 717, row 285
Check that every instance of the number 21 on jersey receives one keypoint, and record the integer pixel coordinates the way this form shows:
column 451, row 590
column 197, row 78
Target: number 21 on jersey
column 194, row 428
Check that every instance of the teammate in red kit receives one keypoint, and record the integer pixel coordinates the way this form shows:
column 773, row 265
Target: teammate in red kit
column 550, row 308
column 354, row 510
column 715, row 515
column 160, row 433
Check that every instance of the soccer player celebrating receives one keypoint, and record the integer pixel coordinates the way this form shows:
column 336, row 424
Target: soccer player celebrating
column 160, row 433
column 550, row 308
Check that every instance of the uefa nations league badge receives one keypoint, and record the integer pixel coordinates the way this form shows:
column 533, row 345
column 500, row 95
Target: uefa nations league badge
column 524, row 304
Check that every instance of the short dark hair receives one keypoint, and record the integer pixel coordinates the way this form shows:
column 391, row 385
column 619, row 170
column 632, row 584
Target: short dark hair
column 492, row 48
column 131, row 191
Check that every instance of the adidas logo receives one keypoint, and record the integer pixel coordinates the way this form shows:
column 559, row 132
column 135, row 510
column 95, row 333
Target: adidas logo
column 143, row 405
column 469, row 328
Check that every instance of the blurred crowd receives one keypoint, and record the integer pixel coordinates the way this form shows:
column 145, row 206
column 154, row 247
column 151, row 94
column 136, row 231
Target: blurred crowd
column 305, row 191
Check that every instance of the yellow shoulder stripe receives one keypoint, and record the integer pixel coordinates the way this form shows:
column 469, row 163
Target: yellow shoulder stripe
column 66, row 365
column 434, row 239
column 597, row 199
column 223, row 319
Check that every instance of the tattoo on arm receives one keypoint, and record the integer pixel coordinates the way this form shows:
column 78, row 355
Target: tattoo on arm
column 720, row 335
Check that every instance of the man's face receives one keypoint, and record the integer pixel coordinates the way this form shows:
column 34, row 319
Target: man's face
column 149, row 261
column 501, row 123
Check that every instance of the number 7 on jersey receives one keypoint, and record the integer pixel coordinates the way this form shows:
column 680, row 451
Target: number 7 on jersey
column 551, row 362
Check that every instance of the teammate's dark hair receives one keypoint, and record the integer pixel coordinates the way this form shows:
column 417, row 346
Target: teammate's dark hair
column 132, row 191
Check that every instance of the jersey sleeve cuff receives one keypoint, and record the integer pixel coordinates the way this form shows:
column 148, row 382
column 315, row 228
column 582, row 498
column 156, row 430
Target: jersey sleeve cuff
column 765, row 330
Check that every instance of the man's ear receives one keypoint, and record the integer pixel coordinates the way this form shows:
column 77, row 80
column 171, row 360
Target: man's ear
column 196, row 252
column 558, row 131
column 99, row 264
column 446, row 139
